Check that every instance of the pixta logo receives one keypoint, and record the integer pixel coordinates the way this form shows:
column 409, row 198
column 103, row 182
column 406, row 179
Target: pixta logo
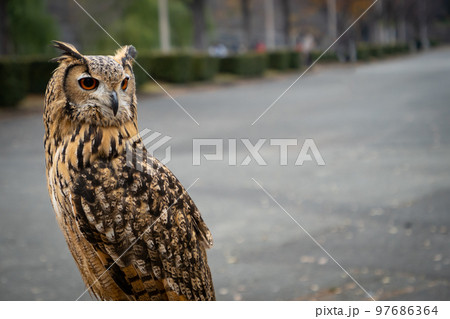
column 252, row 151
column 146, row 143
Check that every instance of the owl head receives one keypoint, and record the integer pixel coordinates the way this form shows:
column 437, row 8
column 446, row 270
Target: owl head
column 98, row 90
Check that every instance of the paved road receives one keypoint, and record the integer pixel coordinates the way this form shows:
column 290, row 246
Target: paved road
column 380, row 206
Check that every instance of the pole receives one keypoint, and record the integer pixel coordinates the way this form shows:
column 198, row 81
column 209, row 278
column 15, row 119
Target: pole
column 332, row 19
column 270, row 23
column 423, row 27
column 402, row 24
column 245, row 9
column 164, row 27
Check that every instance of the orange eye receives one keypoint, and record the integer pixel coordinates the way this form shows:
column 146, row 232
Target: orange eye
column 124, row 84
column 88, row 83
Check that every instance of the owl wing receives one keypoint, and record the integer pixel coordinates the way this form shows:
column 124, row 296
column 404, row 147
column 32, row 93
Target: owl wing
column 145, row 228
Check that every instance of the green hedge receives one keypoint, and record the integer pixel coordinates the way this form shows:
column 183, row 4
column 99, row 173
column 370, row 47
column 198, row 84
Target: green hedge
column 175, row 68
column 204, row 67
column 278, row 60
column 13, row 81
column 31, row 74
column 283, row 60
column 366, row 52
column 246, row 65
column 434, row 43
column 143, row 65
column 393, row 49
column 327, row 57
column 295, row 60
column 39, row 73
column 363, row 53
column 376, row 51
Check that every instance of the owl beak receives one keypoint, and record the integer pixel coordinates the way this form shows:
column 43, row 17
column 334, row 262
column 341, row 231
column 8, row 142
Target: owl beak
column 114, row 102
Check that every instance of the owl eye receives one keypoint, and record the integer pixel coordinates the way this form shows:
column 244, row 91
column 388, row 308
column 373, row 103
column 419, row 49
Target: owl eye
column 88, row 83
column 124, row 84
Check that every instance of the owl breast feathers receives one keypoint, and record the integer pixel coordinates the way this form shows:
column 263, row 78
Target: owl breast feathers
column 133, row 230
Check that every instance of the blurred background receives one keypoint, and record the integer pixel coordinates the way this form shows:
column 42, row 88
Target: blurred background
column 184, row 41
column 376, row 104
column 239, row 25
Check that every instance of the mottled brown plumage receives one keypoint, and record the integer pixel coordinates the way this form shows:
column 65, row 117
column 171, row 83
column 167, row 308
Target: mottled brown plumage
column 132, row 229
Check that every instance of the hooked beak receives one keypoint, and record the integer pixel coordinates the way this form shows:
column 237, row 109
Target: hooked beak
column 114, row 102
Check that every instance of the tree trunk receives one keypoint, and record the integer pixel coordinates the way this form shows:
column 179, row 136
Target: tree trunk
column 164, row 26
column 332, row 19
column 352, row 52
column 270, row 24
column 285, row 8
column 198, row 13
column 423, row 27
column 379, row 27
column 4, row 39
column 401, row 24
column 245, row 9
column 402, row 31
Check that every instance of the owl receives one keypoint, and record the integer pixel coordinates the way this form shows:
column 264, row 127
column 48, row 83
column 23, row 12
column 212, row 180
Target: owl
column 133, row 230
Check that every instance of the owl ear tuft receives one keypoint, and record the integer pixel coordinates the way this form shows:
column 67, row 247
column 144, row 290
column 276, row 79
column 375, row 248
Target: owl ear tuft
column 125, row 54
column 69, row 51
